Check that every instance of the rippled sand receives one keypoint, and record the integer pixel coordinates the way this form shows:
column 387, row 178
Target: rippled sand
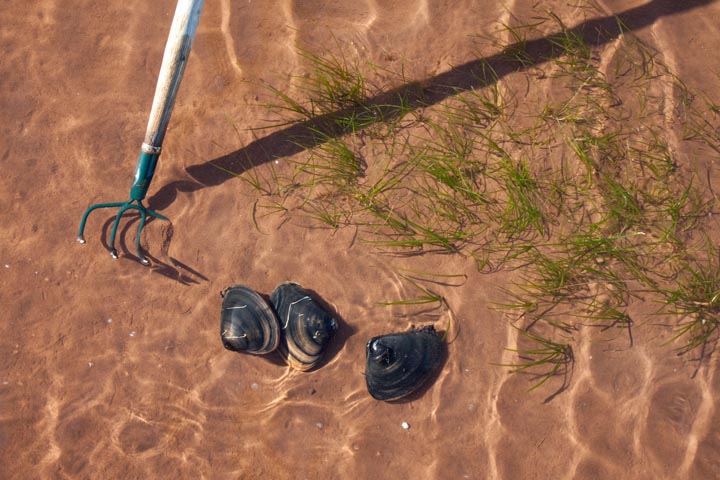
column 112, row 370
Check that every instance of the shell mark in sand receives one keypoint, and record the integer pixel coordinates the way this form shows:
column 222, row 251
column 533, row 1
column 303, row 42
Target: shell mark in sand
column 52, row 409
column 372, row 15
column 225, row 29
column 292, row 40
column 703, row 421
column 423, row 11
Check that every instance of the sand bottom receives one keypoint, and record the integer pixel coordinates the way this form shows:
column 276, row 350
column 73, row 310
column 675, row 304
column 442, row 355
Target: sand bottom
column 112, row 370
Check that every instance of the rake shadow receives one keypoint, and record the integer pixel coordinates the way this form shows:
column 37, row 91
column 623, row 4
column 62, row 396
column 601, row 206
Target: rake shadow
column 169, row 267
column 475, row 74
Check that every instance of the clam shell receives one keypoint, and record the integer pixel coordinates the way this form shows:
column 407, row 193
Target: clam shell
column 247, row 323
column 307, row 328
column 399, row 363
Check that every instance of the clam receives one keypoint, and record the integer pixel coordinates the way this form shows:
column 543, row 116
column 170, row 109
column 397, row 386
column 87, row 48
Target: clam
column 399, row 363
column 247, row 322
column 307, row 327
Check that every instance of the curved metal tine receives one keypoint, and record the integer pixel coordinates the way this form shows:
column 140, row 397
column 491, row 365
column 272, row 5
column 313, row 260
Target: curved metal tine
column 81, row 231
column 113, row 232
column 141, row 257
column 124, row 206
column 152, row 213
column 157, row 215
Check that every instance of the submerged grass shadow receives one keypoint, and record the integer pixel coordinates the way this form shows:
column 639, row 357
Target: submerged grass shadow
column 414, row 95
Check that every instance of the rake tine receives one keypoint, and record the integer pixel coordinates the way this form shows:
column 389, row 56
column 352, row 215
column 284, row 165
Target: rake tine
column 156, row 215
column 141, row 257
column 80, row 237
column 113, row 232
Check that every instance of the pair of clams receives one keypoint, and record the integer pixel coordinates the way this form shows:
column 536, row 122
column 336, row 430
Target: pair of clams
column 298, row 327
column 292, row 322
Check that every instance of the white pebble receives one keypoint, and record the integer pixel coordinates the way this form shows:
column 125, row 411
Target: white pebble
column 7, row 266
column 109, row 320
column 319, row 425
column 132, row 334
column 405, row 425
column 255, row 386
column 90, row 364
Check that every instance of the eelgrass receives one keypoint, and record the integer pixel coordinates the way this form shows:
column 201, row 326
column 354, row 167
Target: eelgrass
column 428, row 297
column 544, row 360
column 333, row 84
column 581, row 190
column 333, row 162
column 695, row 298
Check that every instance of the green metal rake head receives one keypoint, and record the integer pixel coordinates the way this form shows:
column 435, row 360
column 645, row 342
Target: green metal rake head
column 143, row 175
column 177, row 50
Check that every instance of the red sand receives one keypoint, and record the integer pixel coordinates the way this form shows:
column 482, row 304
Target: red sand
column 112, row 370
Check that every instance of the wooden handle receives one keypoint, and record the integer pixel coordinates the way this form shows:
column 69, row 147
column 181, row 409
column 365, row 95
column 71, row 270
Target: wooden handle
column 177, row 50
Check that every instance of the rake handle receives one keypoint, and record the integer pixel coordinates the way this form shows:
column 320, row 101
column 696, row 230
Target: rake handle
column 177, row 50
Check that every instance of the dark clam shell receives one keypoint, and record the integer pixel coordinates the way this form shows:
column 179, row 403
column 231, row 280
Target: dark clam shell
column 399, row 363
column 307, row 327
column 247, row 323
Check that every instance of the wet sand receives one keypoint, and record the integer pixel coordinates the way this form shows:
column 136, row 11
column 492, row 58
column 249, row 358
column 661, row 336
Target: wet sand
column 112, row 370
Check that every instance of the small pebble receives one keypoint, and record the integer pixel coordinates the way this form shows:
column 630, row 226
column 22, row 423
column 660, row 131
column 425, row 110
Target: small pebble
column 254, row 386
column 406, row 425
column 90, row 364
column 132, row 334
column 109, row 320
column 319, row 425
column 7, row 266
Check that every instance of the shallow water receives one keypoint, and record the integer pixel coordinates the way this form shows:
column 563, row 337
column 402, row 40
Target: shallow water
column 111, row 370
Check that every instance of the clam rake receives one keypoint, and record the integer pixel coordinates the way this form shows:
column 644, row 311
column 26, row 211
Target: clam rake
column 177, row 49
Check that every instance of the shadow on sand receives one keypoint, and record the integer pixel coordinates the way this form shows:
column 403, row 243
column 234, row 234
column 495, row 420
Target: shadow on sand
column 475, row 74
